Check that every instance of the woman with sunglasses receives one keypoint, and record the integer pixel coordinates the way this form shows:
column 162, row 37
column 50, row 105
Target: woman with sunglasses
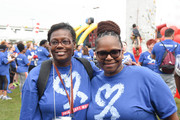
column 67, row 92
column 124, row 92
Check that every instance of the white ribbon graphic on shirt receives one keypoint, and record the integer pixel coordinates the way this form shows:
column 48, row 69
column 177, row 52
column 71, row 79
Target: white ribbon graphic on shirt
column 115, row 115
column 150, row 59
column 76, row 92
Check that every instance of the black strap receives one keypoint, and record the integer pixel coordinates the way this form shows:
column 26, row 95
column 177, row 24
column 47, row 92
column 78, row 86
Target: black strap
column 43, row 76
column 87, row 66
column 45, row 71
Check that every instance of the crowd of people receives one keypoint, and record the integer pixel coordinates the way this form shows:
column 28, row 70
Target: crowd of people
column 121, row 89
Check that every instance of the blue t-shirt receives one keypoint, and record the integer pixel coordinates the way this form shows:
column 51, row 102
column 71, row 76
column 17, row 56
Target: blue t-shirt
column 89, row 58
column 127, row 56
column 32, row 53
column 146, row 60
column 135, row 93
column 28, row 53
column 16, row 49
column 22, row 62
column 78, row 54
column 42, row 53
column 158, row 50
column 4, row 66
column 91, row 53
column 31, row 106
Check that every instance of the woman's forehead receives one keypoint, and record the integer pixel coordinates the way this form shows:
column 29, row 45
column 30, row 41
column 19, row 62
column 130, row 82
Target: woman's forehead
column 109, row 41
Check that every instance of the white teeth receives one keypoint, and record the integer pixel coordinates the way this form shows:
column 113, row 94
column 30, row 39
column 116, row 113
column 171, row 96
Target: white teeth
column 60, row 52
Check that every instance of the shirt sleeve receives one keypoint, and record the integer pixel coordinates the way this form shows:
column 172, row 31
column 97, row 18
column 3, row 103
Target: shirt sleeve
column 132, row 57
column 5, row 59
column 141, row 58
column 26, row 61
column 96, row 70
column 46, row 52
column 153, row 50
column 162, row 98
column 29, row 101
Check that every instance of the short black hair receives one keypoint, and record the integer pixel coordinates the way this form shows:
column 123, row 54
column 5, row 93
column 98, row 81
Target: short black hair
column 2, row 47
column 62, row 26
column 42, row 42
column 134, row 25
column 20, row 47
column 169, row 32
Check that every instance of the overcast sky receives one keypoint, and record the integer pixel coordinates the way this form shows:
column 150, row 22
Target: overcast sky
column 48, row 12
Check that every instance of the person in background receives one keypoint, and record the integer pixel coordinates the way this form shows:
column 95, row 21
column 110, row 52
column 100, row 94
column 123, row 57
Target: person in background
column 123, row 92
column 145, row 57
column 43, row 52
column 91, row 52
column 67, row 76
column 30, row 52
column 158, row 52
column 16, row 49
column 22, row 65
column 177, row 80
column 78, row 51
column 137, row 50
column 135, row 36
column 128, row 57
column 8, row 44
column 4, row 73
column 85, row 53
column 12, row 70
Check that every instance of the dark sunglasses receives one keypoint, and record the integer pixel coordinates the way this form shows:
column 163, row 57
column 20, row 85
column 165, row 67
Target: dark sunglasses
column 63, row 42
column 103, row 54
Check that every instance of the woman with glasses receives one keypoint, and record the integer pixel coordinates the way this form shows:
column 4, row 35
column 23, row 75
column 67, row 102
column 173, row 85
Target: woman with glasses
column 124, row 92
column 67, row 92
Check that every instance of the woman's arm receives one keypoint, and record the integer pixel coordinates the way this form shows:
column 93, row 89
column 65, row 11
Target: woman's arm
column 177, row 80
column 29, row 101
column 174, row 116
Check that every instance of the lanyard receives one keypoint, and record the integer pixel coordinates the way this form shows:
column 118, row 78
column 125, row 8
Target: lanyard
column 70, row 100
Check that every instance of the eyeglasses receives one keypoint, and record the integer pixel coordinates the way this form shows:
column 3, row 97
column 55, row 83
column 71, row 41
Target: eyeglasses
column 103, row 54
column 63, row 42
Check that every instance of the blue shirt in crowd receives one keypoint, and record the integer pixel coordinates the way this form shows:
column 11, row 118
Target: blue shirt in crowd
column 159, row 50
column 42, row 53
column 22, row 62
column 146, row 60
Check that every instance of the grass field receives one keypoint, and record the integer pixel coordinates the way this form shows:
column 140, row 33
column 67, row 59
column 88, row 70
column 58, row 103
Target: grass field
column 10, row 109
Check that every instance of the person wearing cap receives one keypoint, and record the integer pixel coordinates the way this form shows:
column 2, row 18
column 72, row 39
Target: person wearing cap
column 123, row 92
column 4, row 72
